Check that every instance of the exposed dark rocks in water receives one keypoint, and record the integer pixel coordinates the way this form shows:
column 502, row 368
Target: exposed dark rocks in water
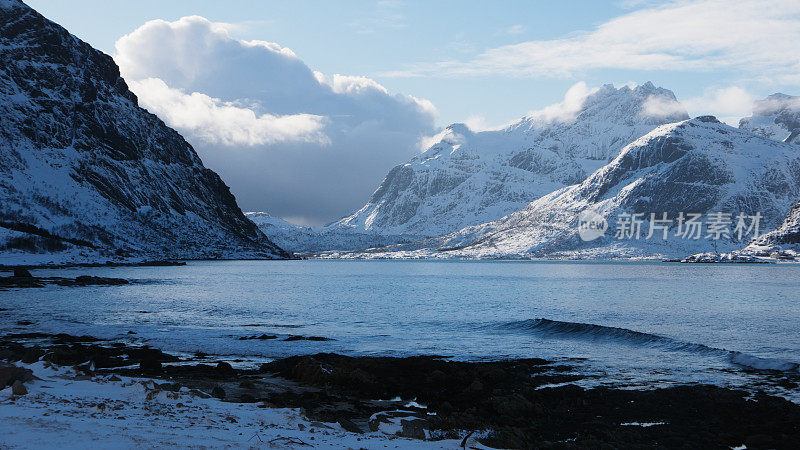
column 26, row 280
column 22, row 273
column 262, row 337
column 525, row 403
column 307, row 338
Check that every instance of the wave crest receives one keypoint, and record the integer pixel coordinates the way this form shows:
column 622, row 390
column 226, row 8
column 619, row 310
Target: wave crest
column 588, row 331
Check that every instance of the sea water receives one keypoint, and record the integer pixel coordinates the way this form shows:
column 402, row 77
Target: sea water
column 627, row 324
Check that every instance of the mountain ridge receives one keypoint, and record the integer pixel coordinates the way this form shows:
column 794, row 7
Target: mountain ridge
column 82, row 163
column 695, row 166
column 466, row 178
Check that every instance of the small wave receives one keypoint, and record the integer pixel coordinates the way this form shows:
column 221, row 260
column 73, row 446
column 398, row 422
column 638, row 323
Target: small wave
column 588, row 331
column 768, row 364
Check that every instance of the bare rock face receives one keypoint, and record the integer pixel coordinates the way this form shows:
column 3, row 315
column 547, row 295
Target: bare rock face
column 84, row 169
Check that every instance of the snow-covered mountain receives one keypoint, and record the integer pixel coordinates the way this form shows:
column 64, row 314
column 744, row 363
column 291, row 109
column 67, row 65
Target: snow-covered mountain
column 775, row 117
column 694, row 166
column 467, row 178
column 781, row 242
column 85, row 172
column 300, row 239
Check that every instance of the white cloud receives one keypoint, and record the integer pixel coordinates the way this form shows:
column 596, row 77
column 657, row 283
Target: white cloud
column 476, row 123
column 753, row 36
column 773, row 104
column 287, row 139
column 218, row 122
column 343, row 84
column 728, row 104
column 662, row 106
column 567, row 109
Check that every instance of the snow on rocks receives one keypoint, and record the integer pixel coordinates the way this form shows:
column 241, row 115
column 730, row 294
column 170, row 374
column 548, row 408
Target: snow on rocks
column 76, row 411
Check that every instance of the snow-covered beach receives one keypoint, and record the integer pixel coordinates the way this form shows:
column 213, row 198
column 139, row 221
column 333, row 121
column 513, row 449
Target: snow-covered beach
column 67, row 409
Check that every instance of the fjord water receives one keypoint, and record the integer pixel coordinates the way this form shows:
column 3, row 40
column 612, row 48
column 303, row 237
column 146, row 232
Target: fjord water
column 629, row 323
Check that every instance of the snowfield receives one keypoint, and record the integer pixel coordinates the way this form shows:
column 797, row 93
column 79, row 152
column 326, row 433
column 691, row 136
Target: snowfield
column 65, row 410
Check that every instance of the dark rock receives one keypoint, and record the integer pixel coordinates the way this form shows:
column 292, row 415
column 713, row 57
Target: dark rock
column 9, row 374
column 150, row 365
column 225, row 369
column 18, row 388
column 348, row 425
column 218, row 392
column 88, row 280
column 262, row 337
column 413, row 428
column 171, row 387
column 31, row 355
column 307, row 338
column 22, row 273
column 247, row 398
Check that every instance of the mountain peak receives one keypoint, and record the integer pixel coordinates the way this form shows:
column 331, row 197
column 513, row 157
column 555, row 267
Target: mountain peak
column 707, row 119
column 127, row 185
column 459, row 128
column 775, row 117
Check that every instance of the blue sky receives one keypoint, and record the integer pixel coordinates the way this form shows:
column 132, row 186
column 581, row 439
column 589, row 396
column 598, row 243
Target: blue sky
column 303, row 107
column 372, row 38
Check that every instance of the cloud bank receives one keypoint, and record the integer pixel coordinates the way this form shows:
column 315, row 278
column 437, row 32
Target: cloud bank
column 729, row 104
column 567, row 109
column 757, row 37
column 287, row 139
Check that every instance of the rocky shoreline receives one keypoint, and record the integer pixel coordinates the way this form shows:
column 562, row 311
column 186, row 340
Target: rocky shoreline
column 22, row 278
column 524, row 403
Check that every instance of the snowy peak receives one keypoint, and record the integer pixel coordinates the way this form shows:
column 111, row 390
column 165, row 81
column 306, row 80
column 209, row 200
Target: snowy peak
column 623, row 106
column 775, row 117
column 86, row 171
column 466, row 178
column 695, row 166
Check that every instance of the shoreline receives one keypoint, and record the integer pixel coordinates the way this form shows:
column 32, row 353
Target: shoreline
column 515, row 403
